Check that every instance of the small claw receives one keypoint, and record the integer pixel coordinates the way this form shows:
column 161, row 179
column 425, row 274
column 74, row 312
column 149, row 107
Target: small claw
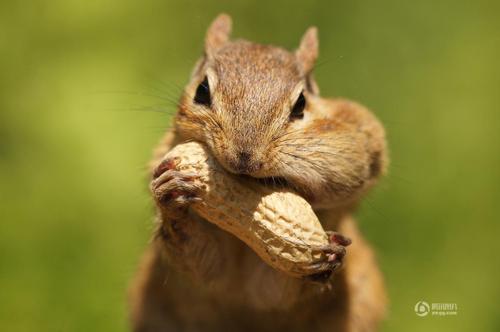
column 339, row 238
column 187, row 199
column 332, row 257
column 176, row 188
column 334, row 249
column 170, row 175
column 171, row 195
column 165, row 165
column 185, row 194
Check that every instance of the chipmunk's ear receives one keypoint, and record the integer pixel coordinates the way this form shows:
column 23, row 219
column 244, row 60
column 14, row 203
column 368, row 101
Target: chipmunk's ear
column 217, row 34
column 307, row 53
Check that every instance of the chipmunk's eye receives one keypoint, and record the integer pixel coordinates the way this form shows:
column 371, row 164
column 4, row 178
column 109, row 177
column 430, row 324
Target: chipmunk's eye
column 298, row 109
column 202, row 95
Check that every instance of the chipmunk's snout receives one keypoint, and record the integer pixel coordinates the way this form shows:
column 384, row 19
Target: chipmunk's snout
column 245, row 163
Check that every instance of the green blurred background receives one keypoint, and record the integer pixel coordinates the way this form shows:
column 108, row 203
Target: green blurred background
column 84, row 90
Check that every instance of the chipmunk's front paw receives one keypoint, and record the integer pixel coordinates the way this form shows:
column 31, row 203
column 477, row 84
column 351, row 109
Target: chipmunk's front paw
column 174, row 190
column 335, row 253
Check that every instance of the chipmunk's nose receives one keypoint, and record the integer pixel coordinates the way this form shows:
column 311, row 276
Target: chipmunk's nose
column 246, row 164
column 243, row 159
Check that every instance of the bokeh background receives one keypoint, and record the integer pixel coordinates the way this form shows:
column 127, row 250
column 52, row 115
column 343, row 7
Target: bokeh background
column 87, row 88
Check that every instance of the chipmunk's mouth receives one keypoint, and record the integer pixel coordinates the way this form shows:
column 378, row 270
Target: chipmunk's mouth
column 277, row 182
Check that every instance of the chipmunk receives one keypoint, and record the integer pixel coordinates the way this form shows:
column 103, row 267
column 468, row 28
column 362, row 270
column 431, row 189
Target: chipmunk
column 257, row 107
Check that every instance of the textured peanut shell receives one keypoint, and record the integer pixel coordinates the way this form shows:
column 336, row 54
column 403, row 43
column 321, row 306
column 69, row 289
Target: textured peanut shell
column 280, row 226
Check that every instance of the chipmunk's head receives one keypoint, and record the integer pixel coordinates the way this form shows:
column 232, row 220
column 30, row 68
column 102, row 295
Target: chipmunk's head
column 254, row 106
column 243, row 96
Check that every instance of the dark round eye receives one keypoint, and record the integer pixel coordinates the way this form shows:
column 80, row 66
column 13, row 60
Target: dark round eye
column 298, row 109
column 202, row 95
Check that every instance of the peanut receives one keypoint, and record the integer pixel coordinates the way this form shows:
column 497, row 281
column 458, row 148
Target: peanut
column 279, row 225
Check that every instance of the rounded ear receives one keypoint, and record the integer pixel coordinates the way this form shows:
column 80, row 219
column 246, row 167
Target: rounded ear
column 307, row 53
column 217, row 34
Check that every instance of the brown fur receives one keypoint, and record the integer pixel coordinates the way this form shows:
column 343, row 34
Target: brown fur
column 196, row 277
